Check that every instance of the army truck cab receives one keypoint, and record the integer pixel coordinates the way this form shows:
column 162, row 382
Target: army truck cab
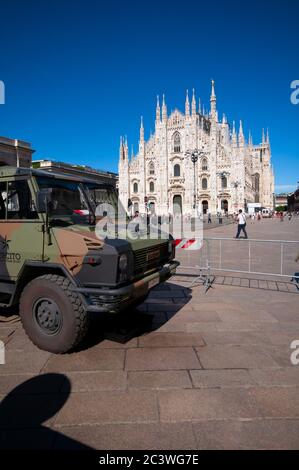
column 53, row 264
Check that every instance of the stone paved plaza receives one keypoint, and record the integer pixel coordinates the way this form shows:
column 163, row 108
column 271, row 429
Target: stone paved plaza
column 189, row 370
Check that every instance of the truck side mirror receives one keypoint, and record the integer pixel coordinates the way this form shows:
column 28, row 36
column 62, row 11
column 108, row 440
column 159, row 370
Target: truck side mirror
column 42, row 200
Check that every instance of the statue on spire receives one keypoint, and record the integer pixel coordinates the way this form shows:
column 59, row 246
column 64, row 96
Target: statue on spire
column 158, row 111
column 193, row 105
column 187, row 104
column 141, row 130
column 213, row 101
column 164, row 109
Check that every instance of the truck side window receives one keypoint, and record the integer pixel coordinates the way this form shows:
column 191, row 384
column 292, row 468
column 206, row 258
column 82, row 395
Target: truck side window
column 19, row 201
column 2, row 200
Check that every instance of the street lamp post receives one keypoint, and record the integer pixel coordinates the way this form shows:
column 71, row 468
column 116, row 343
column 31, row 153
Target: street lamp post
column 236, row 184
column 194, row 155
column 194, row 158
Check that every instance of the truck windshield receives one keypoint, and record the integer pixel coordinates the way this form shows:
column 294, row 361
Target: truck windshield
column 68, row 204
column 72, row 202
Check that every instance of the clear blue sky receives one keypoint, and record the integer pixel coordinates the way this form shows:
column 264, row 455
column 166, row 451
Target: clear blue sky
column 79, row 74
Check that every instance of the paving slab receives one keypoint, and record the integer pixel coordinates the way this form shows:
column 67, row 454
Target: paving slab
column 159, row 380
column 133, row 406
column 203, row 404
column 157, row 436
column 161, row 359
column 97, row 381
column 277, row 402
column 250, row 434
column 234, row 357
column 164, row 340
column 95, row 358
column 221, row 378
column 285, row 376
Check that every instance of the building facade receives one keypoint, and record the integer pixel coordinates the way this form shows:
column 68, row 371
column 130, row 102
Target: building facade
column 229, row 172
column 15, row 152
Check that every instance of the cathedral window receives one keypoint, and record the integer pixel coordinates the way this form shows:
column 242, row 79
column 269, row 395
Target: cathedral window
column 176, row 170
column 176, row 142
column 151, row 187
column 204, row 183
column 224, row 182
column 204, row 164
column 135, row 187
column 151, row 168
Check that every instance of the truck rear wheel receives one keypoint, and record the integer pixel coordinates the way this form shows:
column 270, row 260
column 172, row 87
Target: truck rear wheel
column 53, row 316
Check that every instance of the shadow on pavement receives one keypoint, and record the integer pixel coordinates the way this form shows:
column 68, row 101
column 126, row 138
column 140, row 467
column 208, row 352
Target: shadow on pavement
column 150, row 316
column 27, row 407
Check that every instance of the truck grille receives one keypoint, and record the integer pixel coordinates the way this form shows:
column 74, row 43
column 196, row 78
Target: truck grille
column 150, row 258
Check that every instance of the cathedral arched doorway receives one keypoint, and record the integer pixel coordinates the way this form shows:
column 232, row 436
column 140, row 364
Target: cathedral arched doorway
column 224, row 205
column 177, row 204
column 205, row 207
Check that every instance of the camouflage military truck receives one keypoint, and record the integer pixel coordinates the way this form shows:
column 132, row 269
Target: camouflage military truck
column 55, row 267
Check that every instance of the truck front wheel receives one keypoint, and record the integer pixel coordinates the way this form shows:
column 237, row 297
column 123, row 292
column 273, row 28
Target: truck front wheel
column 53, row 316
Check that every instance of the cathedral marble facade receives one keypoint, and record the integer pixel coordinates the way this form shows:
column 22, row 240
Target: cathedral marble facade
column 229, row 173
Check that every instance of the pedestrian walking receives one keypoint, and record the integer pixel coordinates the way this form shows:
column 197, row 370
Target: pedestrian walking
column 241, row 224
column 209, row 217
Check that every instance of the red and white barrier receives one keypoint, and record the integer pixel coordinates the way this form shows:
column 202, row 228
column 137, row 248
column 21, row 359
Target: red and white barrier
column 188, row 243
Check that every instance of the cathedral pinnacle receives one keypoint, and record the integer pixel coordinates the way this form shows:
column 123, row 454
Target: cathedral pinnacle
column 187, row 104
column 193, row 105
column 164, row 110
column 158, row 111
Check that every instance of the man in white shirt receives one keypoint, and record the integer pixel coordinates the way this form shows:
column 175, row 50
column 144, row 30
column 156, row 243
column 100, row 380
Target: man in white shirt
column 241, row 224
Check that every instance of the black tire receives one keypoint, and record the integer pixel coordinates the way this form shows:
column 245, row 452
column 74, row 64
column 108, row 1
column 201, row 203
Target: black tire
column 53, row 316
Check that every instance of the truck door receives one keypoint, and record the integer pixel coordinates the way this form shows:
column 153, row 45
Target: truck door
column 21, row 237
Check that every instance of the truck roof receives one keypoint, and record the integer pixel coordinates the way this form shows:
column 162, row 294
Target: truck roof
column 11, row 171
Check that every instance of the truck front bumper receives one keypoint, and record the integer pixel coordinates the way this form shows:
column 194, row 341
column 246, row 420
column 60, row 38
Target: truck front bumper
column 116, row 299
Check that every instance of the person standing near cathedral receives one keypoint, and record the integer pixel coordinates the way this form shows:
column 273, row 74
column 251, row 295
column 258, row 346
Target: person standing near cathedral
column 241, row 224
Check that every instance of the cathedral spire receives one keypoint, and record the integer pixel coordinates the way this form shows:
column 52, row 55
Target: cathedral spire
column 223, row 120
column 250, row 139
column 267, row 137
column 193, row 104
column 213, row 101
column 234, row 135
column 141, row 130
column 158, row 111
column 263, row 136
column 241, row 135
column 187, row 105
column 126, row 148
column 164, row 110
column 199, row 106
column 121, row 149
